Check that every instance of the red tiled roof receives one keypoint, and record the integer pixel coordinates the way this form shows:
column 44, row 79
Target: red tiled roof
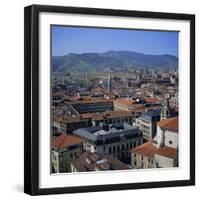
column 147, row 149
column 171, row 124
column 167, row 152
column 126, row 102
column 152, row 100
column 64, row 140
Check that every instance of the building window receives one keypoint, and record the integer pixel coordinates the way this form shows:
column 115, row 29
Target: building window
column 134, row 144
column 122, row 146
column 109, row 150
column 114, row 149
column 149, row 160
column 157, row 166
column 142, row 157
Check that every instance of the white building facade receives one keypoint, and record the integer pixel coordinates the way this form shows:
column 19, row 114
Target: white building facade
column 162, row 151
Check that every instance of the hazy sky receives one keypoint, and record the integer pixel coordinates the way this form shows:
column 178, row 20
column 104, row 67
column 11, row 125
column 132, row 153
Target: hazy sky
column 67, row 40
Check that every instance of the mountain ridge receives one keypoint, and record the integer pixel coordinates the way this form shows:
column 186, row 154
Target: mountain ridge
column 122, row 60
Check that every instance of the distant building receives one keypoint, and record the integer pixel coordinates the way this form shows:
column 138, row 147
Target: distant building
column 112, row 117
column 92, row 106
column 142, row 157
column 173, row 101
column 165, row 110
column 124, row 104
column 147, row 123
column 96, row 162
column 162, row 151
column 67, row 124
column 114, row 139
column 168, row 111
column 65, row 148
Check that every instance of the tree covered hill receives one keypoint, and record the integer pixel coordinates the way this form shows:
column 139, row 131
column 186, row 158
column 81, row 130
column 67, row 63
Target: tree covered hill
column 114, row 60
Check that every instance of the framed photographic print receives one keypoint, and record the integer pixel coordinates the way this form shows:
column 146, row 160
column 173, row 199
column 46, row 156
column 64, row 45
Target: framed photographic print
column 109, row 100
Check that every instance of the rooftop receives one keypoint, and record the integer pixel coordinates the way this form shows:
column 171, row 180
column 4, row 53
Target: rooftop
column 107, row 131
column 125, row 101
column 110, row 114
column 153, row 100
column 95, row 116
column 169, row 124
column 148, row 149
column 167, row 152
column 64, row 141
column 94, row 162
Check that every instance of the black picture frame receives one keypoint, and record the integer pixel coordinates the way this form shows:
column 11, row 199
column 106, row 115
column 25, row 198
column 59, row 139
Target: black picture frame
column 31, row 98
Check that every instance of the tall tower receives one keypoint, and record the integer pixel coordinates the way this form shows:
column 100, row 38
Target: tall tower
column 86, row 77
column 109, row 83
column 165, row 110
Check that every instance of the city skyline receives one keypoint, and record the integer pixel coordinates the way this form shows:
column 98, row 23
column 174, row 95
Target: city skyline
column 117, row 110
column 66, row 40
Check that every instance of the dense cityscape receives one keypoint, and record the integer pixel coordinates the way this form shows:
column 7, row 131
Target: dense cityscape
column 114, row 120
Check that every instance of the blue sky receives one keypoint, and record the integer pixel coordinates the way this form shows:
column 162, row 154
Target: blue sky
column 67, row 40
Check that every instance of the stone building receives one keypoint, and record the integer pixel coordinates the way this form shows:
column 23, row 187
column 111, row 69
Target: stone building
column 65, row 148
column 113, row 139
column 162, row 151
column 68, row 124
column 173, row 101
column 147, row 123
column 166, row 112
column 92, row 106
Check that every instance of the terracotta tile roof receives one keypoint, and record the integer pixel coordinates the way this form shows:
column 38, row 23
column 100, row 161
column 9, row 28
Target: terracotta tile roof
column 75, row 98
column 169, row 124
column 64, row 141
column 126, row 102
column 153, row 100
column 167, row 152
column 111, row 114
column 95, row 116
column 147, row 149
